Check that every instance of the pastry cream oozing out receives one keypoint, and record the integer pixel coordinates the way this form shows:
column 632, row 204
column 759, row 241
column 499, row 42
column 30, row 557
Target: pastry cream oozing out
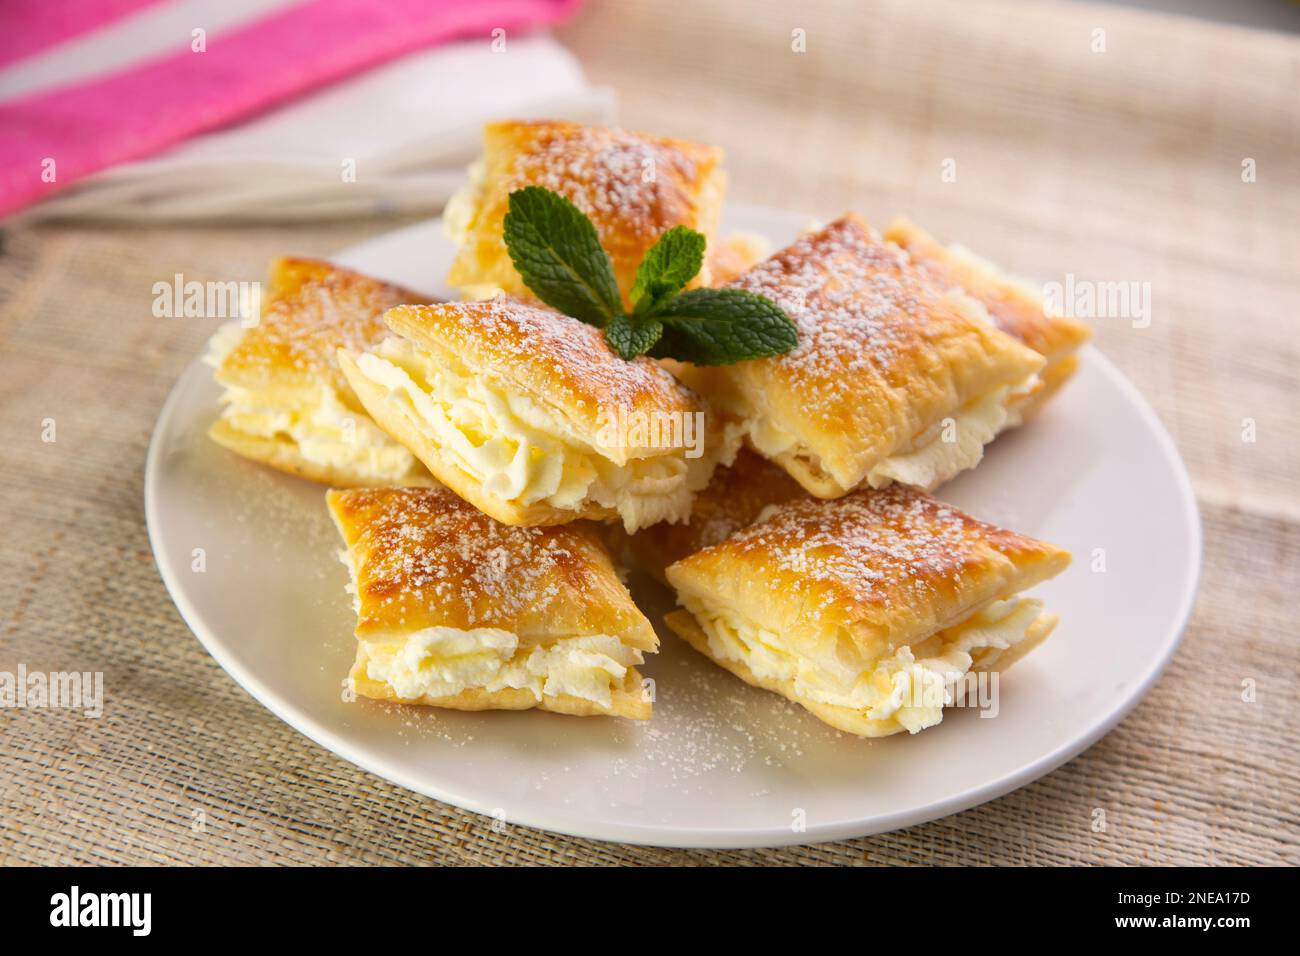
column 324, row 428
column 928, row 460
column 519, row 450
column 458, row 219
column 461, row 209
column 445, row 661
column 909, row 687
column 931, row 460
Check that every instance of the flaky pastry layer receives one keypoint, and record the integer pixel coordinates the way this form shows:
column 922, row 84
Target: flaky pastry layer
column 1012, row 304
column 633, row 187
column 286, row 403
column 530, row 416
column 894, row 377
column 457, row 610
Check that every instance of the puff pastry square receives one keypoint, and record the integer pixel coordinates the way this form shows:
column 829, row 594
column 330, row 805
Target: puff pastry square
column 530, row 416
column 633, row 186
column 734, row 499
column 895, row 378
column 286, row 402
column 867, row 609
column 1013, row 305
column 457, row 610
column 732, row 256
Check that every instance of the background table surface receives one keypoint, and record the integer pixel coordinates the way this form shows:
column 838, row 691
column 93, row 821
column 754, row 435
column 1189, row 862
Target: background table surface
column 1116, row 165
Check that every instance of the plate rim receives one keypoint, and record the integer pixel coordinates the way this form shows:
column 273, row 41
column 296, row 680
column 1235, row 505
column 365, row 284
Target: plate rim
column 667, row 835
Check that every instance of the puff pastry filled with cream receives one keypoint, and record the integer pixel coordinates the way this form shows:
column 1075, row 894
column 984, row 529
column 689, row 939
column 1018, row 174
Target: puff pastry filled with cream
column 734, row 499
column 1012, row 304
column 531, row 417
column 866, row 610
column 457, row 610
column 633, row 187
column 286, row 403
column 895, row 378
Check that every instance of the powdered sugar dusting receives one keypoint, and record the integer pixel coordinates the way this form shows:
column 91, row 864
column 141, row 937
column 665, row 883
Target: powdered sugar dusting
column 301, row 333
column 1012, row 304
column 859, row 305
column 424, row 550
column 881, row 547
column 524, row 343
column 631, row 182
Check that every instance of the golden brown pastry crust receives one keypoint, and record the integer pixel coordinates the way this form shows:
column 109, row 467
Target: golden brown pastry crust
column 884, row 354
column 309, row 308
column 1012, row 305
column 880, row 568
column 289, row 274
column 558, row 361
column 733, row 500
column 732, row 256
column 314, row 308
column 633, row 186
column 424, row 558
column 1050, row 381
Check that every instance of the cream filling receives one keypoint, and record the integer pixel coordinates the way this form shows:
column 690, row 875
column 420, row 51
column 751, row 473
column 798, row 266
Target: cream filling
column 458, row 219
column 909, row 687
column 518, row 450
column 325, row 430
column 770, row 439
column 463, row 206
column 942, row 451
column 445, row 661
column 946, row 447
column 477, row 291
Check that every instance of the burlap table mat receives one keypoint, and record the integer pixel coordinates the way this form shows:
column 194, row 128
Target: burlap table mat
column 1117, row 165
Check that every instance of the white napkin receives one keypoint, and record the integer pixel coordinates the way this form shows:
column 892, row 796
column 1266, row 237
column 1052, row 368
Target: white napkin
column 394, row 139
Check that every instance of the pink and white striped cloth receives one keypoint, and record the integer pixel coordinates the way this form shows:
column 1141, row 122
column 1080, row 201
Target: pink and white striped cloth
column 63, row 119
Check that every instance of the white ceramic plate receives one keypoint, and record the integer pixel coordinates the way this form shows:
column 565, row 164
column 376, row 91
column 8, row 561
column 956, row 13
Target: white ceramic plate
column 721, row 764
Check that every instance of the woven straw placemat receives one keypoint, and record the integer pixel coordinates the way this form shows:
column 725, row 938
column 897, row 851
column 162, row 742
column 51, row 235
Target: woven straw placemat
column 1118, row 164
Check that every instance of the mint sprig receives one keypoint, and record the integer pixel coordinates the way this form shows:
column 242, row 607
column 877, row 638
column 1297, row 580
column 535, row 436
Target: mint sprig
column 674, row 260
column 721, row 326
column 557, row 252
column 630, row 337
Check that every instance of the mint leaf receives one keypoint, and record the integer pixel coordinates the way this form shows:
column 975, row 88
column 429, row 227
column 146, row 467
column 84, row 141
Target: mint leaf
column 674, row 260
column 558, row 254
column 631, row 337
column 721, row 326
